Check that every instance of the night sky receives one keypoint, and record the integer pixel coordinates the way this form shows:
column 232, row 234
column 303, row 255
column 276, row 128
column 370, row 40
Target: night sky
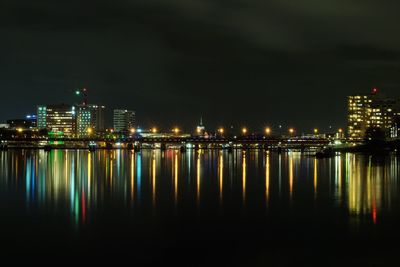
column 240, row 62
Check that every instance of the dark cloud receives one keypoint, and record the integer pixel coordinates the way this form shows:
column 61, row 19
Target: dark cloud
column 235, row 62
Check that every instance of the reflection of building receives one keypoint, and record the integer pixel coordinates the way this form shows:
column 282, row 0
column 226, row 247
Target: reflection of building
column 124, row 120
column 28, row 123
column 370, row 111
column 58, row 119
column 366, row 186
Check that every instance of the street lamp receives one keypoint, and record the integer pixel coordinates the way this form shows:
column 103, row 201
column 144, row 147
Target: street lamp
column 176, row 130
column 89, row 131
column 291, row 130
column 154, row 130
column 315, row 131
column 244, row 130
column 267, row 130
column 221, row 130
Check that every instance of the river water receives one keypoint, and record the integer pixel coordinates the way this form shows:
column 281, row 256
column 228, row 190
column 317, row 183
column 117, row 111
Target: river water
column 199, row 208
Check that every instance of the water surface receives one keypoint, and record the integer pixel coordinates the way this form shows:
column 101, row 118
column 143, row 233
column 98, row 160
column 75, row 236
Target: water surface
column 199, row 208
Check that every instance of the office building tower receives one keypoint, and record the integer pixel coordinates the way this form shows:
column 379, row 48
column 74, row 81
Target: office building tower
column 58, row 119
column 124, row 120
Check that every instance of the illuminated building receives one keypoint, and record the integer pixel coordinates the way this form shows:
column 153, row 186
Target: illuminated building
column 370, row 111
column 41, row 117
column 358, row 115
column 200, row 129
column 89, row 117
column 58, row 119
column 124, row 120
column 382, row 113
column 83, row 120
column 395, row 129
column 98, row 117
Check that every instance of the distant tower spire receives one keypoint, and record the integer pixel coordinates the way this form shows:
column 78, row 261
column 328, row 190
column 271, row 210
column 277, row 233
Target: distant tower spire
column 200, row 128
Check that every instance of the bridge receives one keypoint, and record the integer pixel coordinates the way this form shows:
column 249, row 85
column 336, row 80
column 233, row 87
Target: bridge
column 167, row 142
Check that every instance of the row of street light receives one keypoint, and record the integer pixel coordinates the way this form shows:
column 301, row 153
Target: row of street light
column 221, row 130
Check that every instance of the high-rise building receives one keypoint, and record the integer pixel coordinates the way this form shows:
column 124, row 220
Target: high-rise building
column 370, row 111
column 84, row 126
column 79, row 120
column 382, row 113
column 58, row 119
column 89, row 119
column 124, row 120
column 41, row 117
column 98, row 117
column 358, row 115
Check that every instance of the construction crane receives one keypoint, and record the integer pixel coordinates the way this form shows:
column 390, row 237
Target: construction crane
column 83, row 93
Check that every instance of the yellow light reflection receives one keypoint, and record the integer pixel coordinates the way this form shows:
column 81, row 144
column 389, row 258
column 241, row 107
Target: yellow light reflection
column 111, row 173
column 66, row 174
column 291, row 174
column 368, row 186
column 132, row 177
column 153, row 179
column 338, row 177
column 89, row 173
column 176, row 179
column 198, row 179
column 244, row 177
column 315, row 176
column 267, row 176
column 221, row 176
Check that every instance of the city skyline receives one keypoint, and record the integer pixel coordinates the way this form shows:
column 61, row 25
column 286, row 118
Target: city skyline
column 200, row 132
column 226, row 71
column 119, row 122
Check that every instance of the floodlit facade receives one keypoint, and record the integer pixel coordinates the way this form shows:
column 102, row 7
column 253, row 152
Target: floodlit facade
column 124, row 120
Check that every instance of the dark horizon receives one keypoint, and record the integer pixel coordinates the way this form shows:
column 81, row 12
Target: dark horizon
column 242, row 63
